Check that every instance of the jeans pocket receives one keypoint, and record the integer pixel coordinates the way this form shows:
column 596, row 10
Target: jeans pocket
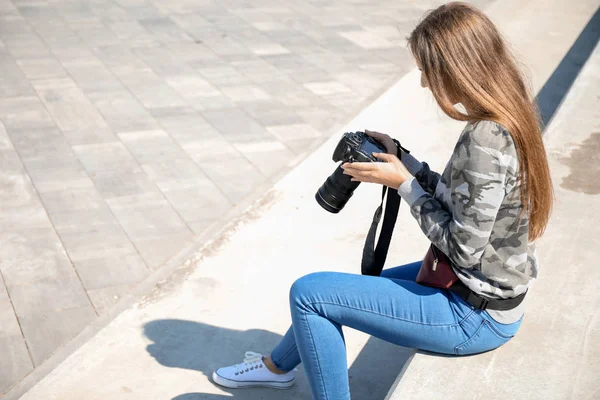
column 485, row 338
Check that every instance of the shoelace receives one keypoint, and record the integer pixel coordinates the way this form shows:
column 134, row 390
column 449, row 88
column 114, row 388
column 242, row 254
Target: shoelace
column 251, row 362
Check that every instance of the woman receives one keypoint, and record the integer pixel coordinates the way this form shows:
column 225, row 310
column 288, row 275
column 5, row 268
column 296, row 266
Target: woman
column 491, row 202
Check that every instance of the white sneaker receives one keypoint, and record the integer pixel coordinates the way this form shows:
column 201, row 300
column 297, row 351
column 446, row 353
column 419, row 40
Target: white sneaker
column 252, row 373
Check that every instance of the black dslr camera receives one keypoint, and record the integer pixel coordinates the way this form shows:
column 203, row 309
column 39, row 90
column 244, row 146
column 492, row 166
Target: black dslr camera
column 338, row 188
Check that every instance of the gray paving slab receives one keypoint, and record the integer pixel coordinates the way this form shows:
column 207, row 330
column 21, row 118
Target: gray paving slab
column 150, row 89
column 146, row 215
column 27, row 214
column 9, row 325
column 112, row 266
column 45, row 330
column 47, row 295
column 113, row 169
column 121, row 110
column 90, row 136
column 212, row 149
column 235, row 182
column 60, row 177
column 130, row 127
column 270, row 112
column 155, row 146
column 69, row 107
column 15, row 362
column 195, row 199
column 236, row 125
column 157, row 251
column 223, row 75
column 269, row 156
column 42, row 68
column 34, row 256
column 24, row 113
column 13, row 81
column 133, row 32
column 184, row 124
column 90, row 74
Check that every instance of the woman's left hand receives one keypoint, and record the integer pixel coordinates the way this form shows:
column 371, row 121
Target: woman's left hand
column 391, row 172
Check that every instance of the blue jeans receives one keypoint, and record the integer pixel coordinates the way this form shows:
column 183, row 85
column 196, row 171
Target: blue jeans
column 392, row 307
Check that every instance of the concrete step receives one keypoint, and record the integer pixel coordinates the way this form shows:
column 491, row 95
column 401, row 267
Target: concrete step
column 555, row 355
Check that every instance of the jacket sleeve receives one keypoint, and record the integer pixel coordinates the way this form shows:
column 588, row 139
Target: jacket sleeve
column 476, row 191
column 427, row 178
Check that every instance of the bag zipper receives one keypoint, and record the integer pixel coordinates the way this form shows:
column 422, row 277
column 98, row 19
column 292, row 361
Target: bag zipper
column 435, row 257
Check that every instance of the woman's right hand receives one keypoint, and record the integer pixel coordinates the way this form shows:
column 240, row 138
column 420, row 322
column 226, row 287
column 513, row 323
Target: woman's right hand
column 386, row 140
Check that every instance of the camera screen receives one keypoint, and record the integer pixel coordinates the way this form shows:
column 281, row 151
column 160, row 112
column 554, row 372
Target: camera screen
column 370, row 148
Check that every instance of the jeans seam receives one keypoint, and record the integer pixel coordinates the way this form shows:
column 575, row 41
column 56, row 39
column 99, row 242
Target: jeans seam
column 498, row 333
column 466, row 342
column 454, row 311
column 316, row 354
column 392, row 317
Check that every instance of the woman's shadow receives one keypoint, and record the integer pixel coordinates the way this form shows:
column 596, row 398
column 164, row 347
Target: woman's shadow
column 204, row 348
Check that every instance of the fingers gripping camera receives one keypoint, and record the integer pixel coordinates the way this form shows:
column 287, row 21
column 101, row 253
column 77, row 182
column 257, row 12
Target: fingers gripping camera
column 338, row 188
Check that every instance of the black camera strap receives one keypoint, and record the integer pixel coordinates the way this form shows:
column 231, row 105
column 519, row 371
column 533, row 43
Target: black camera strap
column 374, row 256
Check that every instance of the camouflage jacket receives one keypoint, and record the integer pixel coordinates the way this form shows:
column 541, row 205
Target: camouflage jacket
column 472, row 213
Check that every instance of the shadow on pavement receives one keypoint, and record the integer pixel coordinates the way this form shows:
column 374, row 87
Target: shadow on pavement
column 204, row 348
column 551, row 96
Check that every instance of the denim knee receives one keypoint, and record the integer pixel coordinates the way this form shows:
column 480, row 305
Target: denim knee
column 303, row 289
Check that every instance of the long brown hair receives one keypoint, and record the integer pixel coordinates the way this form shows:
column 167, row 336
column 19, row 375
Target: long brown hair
column 464, row 57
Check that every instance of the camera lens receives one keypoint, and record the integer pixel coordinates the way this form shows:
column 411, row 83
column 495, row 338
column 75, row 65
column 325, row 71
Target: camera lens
column 336, row 191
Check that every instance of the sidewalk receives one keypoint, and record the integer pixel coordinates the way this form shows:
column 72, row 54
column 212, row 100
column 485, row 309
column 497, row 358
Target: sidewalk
column 132, row 130
column 227, row 298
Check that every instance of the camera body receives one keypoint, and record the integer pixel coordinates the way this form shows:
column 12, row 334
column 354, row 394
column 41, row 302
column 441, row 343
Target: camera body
column 357, row 147
column 338, row 187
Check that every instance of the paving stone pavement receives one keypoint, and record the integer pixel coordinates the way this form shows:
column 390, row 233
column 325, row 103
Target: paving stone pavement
column 127, row 127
